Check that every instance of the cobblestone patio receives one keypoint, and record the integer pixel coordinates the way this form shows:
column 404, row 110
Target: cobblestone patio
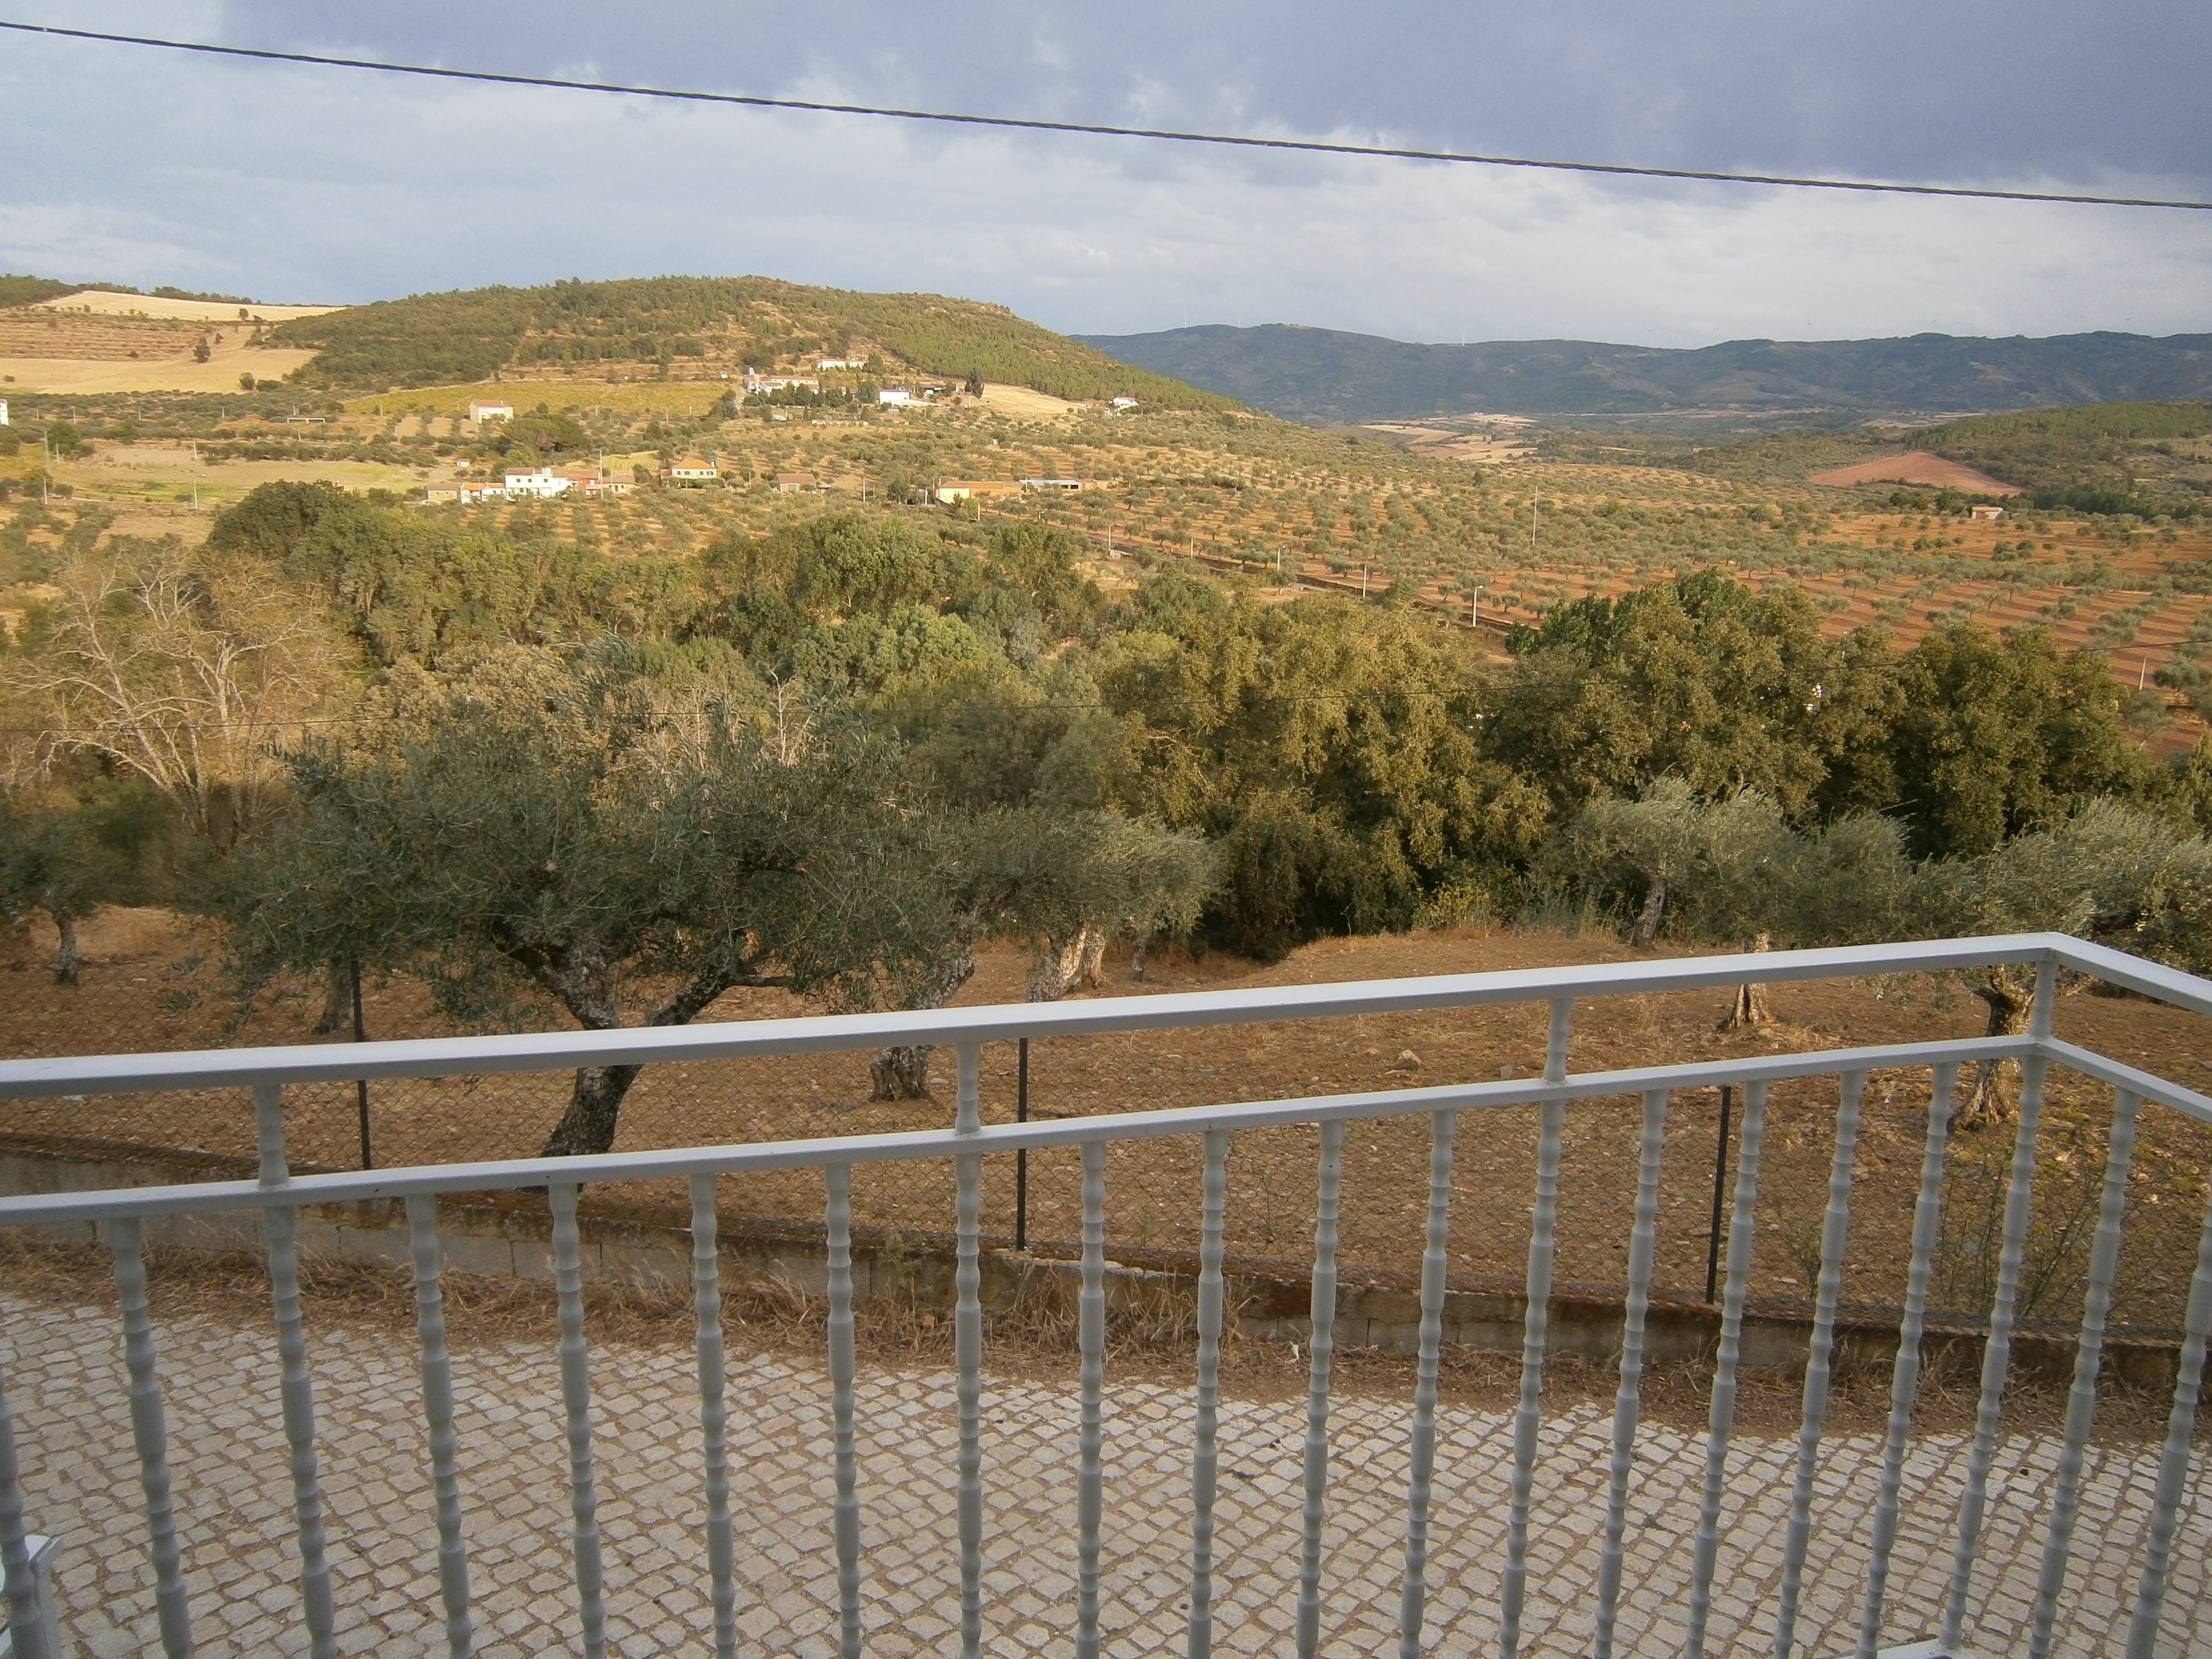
column 64, row 1377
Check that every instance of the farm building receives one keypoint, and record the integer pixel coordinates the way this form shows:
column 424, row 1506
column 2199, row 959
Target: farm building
column 538, row 481
column 962, row 489
column 781, row 382
column 481, row 410
column 797, row 483
column 465, row 491
column 692, row 469
column 1052, row 483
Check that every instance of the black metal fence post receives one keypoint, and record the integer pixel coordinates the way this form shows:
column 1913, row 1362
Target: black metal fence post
column 1720, row 1185
column 1022, row 1153
column 361, row 1084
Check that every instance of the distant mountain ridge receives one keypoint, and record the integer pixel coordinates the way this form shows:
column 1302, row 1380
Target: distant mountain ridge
column 1323, row 376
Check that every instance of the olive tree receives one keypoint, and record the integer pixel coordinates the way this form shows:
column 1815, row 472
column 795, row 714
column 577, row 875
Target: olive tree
column 573, row 838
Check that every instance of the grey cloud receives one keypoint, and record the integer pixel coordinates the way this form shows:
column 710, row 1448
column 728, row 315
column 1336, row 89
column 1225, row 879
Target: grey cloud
column 2033, row 89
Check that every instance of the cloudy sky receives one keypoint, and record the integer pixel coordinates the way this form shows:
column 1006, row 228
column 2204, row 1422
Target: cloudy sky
column 292, row 184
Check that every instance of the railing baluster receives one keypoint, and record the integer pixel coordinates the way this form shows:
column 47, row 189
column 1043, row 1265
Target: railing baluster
column 1996, row 1351
column 2174, row 1460
column 149, row 1434
column 845, row 1512
column 2088, row 1357
column 1090, row 1341
column 968, row 1350
column 1322, row 1333
column 24, row 1620
column 1205, row 1456
column 279, row 1225
column 968, row 1359
column 1835, row 1230
column 1412, row 1601
column 1905, row 1377
column 577, row 1404
column 1535, row 1336
column 437, row 1372
column 1643, row 1253
column 1750, row 1143
column 714, row 1415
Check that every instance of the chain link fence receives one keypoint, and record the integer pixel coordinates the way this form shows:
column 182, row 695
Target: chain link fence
column 150, row 983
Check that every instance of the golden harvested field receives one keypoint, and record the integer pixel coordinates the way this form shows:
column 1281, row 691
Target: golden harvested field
column 205, row 312
column 88, row 351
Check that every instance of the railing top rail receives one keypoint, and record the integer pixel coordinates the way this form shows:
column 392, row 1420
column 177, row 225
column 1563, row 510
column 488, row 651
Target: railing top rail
column 353, row 1186
column 330, row 1062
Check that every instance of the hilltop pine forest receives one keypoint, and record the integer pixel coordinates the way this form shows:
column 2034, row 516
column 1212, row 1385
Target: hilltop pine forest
column 1213, row 674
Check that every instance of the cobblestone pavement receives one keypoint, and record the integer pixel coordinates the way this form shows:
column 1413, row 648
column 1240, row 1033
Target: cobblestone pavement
column 64, row 1377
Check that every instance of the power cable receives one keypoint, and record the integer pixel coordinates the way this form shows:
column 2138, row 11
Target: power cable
column 1309, row 146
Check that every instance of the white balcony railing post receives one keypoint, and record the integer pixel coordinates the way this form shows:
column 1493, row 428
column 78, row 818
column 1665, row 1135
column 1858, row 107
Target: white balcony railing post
column 1905, row 1377
column 1996, row 1351
column 1721, row 1417
column 714, row 1415
column 845, row 1511
column 1320, row 1332
column 1205, row 1455
column 1090, row 1342
column 1643, row 1253
column 150, row 1436
column 279, row 1223
column 2173, row 1457
column 1835, row 1227
column 1435, row 1265
column 968, row 1351
column 2088, row 1359
column 27, row 1613
column 437, row 1373
column 576, row 1410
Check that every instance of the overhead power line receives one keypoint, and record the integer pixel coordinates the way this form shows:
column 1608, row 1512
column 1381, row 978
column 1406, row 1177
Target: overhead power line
column 1243, row 140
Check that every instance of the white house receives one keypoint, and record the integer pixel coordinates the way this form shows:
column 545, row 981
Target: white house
column 481, row 411
column 691, row 471
column 1122, row 402
column 541, row 482
column 3, row 411
column 781, row 382
column 1051, row 483
column 893, row 394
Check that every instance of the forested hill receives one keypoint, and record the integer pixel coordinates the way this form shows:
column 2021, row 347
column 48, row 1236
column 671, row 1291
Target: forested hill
column 1321, row 374
column 688, row 324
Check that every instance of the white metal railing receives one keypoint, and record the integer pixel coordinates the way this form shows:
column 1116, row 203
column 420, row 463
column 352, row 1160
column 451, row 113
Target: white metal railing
column 278, row 1195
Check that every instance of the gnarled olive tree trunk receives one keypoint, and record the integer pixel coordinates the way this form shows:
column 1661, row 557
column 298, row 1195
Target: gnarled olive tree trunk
column 2009, row 995
column 595, row 1100
column 1065, row 963
column 1645, row 933
column 1749, row 1009
column 902, row 1073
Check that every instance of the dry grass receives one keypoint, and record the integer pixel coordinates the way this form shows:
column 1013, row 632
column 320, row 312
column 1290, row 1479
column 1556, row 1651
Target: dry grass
column 1034, row 1339
column 147, row 985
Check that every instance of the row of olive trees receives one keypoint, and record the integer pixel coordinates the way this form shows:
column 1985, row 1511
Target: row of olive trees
column 1733, row 869
column 538, row 831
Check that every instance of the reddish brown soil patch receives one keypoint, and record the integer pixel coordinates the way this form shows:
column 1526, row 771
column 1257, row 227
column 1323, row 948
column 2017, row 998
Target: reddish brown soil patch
column 1919, row 467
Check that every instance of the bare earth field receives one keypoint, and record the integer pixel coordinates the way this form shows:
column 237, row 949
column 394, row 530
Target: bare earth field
column 1917, row 466
column 150, row 985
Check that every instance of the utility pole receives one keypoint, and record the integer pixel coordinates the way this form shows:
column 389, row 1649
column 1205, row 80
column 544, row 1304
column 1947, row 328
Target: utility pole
column 1363, row 579
column 1474, row 607
column 1532, row 529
